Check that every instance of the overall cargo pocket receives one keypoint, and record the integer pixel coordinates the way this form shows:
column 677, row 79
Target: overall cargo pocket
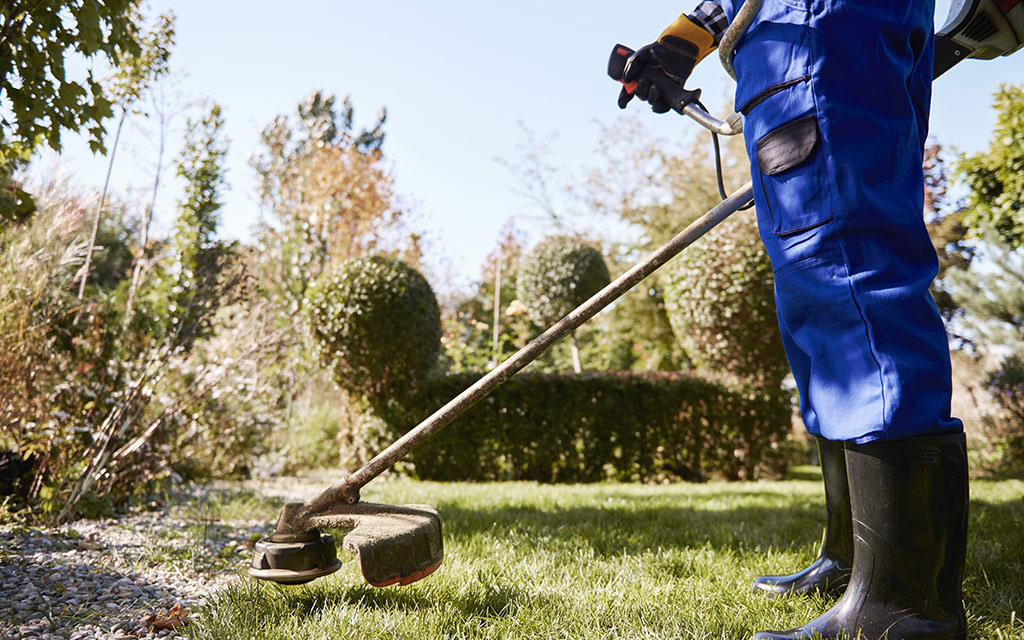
column 793, row 176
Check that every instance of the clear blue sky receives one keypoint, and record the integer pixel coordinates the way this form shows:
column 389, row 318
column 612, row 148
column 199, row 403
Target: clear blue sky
column 457, row 78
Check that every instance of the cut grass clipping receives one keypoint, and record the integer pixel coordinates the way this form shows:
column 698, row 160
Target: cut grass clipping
column 608, row 561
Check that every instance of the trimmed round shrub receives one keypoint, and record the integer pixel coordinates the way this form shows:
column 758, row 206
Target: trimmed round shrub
column 377, row 324
column 720, row 301
column 558, row 275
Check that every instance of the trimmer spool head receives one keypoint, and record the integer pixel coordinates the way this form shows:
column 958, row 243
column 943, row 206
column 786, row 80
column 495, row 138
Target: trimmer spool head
column 393, row 544
column 290, row 558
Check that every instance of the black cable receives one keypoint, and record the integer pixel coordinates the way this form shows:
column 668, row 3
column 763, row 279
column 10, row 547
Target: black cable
column 718, row 159
column 718, row 165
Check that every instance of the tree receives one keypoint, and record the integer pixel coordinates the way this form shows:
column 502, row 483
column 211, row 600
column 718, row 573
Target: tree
column 190, row 281
column 39, row 100
column 134, row 75
column 656, row 188
column 995, row 176
column 1005, row 430
column 992, row 294
column 946, row 226
column 469, row 316
column 557, row 276
column 329, row 193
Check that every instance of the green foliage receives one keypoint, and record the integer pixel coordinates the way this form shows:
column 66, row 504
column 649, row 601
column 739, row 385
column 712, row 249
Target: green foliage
column 134, row 76
column 558, row 275
column 56, row 373
column 37, row 37
column 312, row 443
column 186, row 289
column 468, row 318
column 600, row 426
column 635, row 334
column 36, row 89
column 287, row 140
column 156, row 409
column 948, row 232
column 1004, row 432
column 720, row 300
column 222, row 403
column 113, row 257
column 16, row 204
column 1007, row 385
column 326, row 185
column 108, row 404
column 995, row 176
column 991, row 294
column 330, row 194
column 136, row 71
column 376, row 324
column 656, row 187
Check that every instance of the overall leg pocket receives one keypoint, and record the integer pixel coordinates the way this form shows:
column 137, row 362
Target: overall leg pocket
column 793, row 176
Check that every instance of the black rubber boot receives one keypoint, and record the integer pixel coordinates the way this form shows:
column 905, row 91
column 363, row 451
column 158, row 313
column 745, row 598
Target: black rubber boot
column 909, row 499
column 830, row 572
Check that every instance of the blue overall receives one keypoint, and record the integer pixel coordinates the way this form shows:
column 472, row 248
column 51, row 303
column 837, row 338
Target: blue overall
column 836, row 96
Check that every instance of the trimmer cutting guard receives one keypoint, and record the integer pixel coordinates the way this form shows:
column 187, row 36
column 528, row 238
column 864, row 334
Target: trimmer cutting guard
column 394, row 544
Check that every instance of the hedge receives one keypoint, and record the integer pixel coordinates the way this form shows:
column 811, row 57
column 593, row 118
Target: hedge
column 599, row 426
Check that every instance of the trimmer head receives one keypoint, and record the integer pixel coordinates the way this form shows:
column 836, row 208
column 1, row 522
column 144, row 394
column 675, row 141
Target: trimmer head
column 294, row 559
column 393, row 544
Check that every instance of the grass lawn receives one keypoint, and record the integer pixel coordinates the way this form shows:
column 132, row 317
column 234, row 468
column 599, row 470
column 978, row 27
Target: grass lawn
column 609, row 561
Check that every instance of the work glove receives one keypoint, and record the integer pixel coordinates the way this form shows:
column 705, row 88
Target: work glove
column 676, row 52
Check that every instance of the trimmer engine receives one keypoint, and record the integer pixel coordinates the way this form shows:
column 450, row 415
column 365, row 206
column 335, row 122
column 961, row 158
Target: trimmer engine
column 981, row 29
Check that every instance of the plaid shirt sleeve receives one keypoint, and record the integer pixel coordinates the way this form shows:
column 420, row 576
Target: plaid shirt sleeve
column 710, row 15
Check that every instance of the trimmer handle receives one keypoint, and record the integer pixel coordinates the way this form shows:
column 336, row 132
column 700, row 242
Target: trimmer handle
column 674, row 94
column 679, row 99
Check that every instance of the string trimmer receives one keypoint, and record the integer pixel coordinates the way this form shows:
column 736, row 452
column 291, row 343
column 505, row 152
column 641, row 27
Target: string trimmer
column 402, row 544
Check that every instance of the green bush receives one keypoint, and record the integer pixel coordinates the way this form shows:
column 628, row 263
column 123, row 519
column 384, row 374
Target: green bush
column 720, row 300
column 1004, row 432
column 560, row 274
column 376, row 324
column 600, row 426
column 312, row 439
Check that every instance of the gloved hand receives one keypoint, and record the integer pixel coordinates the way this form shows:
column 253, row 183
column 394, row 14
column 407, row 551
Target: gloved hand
column 676, row 52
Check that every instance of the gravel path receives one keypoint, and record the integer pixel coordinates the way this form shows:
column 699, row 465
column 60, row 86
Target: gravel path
column 135, row 576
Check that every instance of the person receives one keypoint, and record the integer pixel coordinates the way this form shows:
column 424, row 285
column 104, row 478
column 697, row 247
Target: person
column 835, row 96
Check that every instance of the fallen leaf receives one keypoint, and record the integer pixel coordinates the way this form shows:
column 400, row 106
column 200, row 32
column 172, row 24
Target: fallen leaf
column 173, row 619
